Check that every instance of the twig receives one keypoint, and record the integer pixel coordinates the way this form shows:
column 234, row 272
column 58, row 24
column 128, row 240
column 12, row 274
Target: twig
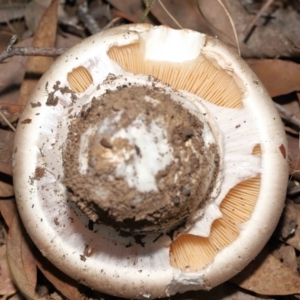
column 124, row 16
column 149, row 4
column 111, row 24
column 87, row 19
column 30, row 51
column 7, row 121
column 12, row 41
column 37, row 51
column 253, row 22
column 289, row 116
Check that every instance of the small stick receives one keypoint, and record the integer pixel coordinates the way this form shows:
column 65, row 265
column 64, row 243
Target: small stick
column 111, row 23
column 7, row 121
column 253, row 22
column 30, row 51
column 149, row 4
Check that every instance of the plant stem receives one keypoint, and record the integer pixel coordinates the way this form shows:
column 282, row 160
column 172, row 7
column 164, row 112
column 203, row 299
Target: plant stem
column 149, row 4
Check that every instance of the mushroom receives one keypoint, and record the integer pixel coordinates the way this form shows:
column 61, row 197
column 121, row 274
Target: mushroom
column 150, row 161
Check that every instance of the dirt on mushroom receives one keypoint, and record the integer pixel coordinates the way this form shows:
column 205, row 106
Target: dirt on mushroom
column 106, row 196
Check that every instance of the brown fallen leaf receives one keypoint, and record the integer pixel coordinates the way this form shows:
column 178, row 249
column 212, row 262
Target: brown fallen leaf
column 8, row 210
column 268, row 276
column 7, row 287
column 280, row 77
column 64, row 284
column 44, row 37
column 6, row 187
column 20, row 260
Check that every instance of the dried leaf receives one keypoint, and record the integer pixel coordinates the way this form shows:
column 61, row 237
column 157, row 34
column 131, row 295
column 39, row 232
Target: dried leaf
column 287, row 255
column 64, row 284
column 268, row 276
column 8, row 209
column 7, row 287
column 6, row 146
column 44, row 37
column 280, row 77
column 20, row 260
column 6, row 187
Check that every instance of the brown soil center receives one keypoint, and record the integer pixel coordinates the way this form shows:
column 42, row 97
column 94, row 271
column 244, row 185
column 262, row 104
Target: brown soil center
column 136, row 160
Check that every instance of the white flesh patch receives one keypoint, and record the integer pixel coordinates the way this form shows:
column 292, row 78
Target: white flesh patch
column 139, row 170
column 189, row 50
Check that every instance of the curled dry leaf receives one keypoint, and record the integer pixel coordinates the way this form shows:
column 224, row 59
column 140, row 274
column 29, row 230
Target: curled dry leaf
column 20, row 260
column 266, row 275
column 7, row 287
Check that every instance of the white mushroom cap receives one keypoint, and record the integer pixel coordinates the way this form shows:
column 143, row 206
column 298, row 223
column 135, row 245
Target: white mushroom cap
column 207, row 78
